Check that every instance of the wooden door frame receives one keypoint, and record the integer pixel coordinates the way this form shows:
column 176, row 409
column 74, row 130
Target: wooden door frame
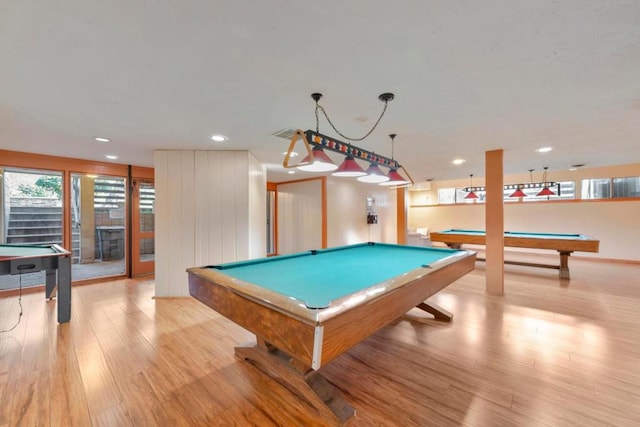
column 138, row 268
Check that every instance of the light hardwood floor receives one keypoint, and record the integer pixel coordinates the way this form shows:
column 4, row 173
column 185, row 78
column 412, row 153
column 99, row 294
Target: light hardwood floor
column 548, row 353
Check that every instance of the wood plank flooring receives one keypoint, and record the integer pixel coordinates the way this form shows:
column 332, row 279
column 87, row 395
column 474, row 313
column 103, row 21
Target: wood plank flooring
column 549, row 353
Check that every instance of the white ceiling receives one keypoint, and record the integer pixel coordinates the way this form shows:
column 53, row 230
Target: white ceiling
column 468, row 76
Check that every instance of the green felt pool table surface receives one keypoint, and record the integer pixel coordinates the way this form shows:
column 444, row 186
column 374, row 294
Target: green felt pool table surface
column 25, row 250
column 520, row 234
column 319, row 277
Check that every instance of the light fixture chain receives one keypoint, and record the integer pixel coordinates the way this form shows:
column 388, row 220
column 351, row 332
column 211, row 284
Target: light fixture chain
column 319, row 107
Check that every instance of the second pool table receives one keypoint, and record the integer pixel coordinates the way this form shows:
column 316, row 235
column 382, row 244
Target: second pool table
column 565, row 244
column 307, row 309
column 52, row 258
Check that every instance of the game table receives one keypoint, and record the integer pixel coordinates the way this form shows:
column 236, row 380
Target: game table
column 52, row 258
column 306, row 309
column 565, row 244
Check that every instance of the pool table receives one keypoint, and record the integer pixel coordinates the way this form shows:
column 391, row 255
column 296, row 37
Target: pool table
column 565, row 244
column 306, row 309
column 52, row 258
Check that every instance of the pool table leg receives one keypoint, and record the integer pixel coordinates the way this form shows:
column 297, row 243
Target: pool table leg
column 438, row 312
column 50, row 282
column 64, row 289
column 564, row 264
column 302, row 381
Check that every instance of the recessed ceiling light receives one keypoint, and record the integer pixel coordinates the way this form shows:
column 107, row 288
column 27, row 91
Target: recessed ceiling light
column 544, row 149
column 291, row 172
column 458, row 161
column 293, row 154
column 219, row 138
column 111, row 156
column 101, row 139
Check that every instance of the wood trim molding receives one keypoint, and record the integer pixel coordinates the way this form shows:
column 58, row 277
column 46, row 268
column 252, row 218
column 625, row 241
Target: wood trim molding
column 401, row 216
column 54, row 163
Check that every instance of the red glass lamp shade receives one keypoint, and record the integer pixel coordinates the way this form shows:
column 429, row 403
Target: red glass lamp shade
column 321, row 162
column 349, row 167
column 395, row 178
column 546, row 192
column 374, row 175
column 471, row 195
column 518, row 193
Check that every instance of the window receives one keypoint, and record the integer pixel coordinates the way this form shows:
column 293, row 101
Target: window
column 626, row 187
column 30, row 215
column 599, row 188
column 565, row 190
column 446, row 196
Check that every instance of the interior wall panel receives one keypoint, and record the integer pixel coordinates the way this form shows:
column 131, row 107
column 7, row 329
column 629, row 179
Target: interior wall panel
column 228, row 230
column 203, row 213
column 347, row 212
column 162, row 247
column 299, row 216
column 256, row 233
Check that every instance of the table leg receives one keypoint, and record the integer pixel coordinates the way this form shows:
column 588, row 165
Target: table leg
column 564, row 264
column 50, row 282
column 438, row 312
column 64, row 289
column 304, row 382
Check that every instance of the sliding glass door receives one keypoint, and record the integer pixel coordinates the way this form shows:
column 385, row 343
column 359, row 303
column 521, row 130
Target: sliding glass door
column 98, row 221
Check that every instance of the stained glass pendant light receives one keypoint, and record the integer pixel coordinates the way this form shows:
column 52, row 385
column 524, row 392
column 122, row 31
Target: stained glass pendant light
column 471, row 194
column 321, row 162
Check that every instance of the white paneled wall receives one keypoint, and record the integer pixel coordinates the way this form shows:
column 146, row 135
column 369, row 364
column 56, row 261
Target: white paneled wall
column 347, row 212
column 210, row 208
column 257, row 234
column 299, row 216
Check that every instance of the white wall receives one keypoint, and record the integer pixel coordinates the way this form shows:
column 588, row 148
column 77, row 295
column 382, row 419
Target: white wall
column 347, row 212
column 210, row 208
column 299, row 216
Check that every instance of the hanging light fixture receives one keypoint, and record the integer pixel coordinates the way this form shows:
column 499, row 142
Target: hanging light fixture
column 471, row 194
column 394, row 177
column 517, row 189
column 317, row 160
column 373, row 175
column 321, row 162
column 349, row 168
column 545, row 189
column 518, row 192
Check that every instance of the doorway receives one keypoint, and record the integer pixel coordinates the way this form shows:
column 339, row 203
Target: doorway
column 143, row 226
